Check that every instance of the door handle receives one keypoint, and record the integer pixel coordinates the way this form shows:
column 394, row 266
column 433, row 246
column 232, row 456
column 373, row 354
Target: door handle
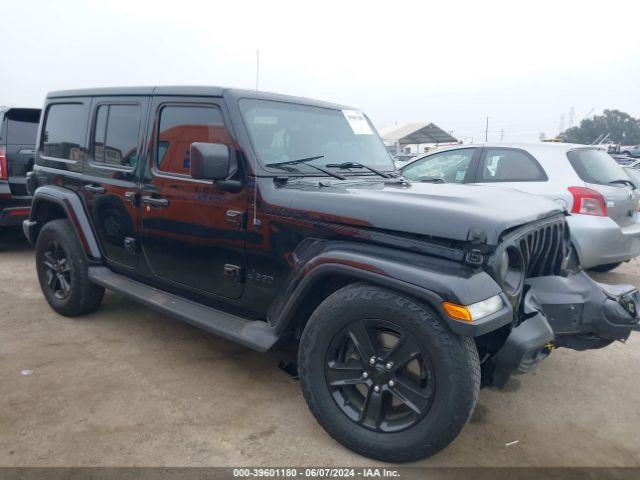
column 155, row 201
column 94, row 188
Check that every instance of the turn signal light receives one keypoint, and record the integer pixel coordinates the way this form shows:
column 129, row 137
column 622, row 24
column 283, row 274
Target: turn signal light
column 475, row 311
column 588, row 202
column 459, row 312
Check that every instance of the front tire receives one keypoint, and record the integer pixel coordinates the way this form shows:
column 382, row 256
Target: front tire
column 62, row 270
column 384, row 376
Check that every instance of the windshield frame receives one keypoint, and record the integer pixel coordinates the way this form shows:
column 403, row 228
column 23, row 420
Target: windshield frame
column 273, row 171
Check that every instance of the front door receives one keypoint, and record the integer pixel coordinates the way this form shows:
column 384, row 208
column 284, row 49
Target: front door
column 192, row 231
column 110, row 178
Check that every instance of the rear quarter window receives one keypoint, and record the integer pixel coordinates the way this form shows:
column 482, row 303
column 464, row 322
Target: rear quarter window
column 22, row 126
column 595, row 166
column 63, row 134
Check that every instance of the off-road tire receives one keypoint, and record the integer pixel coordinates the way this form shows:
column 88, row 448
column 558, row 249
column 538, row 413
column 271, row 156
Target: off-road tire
column 84, row 296
column 607, row 267
column 455, row 361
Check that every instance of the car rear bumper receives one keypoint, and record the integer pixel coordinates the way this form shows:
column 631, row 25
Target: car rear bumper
column 13, row 210
column 600, row 240
column 13, row 216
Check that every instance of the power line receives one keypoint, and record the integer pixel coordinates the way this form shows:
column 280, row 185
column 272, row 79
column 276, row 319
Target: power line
column 257, row 68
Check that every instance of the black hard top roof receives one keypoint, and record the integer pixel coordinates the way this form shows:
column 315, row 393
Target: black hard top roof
column 193, row 91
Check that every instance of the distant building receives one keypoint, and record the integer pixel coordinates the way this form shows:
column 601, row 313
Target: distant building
column 414, row 138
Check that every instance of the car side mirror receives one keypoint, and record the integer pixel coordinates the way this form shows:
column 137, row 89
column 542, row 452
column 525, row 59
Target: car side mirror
column 210, row 161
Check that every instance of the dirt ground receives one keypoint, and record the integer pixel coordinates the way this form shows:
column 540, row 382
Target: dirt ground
column 127, row 386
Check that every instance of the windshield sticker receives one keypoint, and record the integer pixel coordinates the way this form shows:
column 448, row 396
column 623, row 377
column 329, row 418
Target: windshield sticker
column 358, row 122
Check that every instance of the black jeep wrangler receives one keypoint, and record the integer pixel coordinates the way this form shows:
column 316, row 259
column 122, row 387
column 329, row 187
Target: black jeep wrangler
column 265, row 218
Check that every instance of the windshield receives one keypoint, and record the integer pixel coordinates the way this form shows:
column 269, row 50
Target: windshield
column 595, row 166
column 284, row 132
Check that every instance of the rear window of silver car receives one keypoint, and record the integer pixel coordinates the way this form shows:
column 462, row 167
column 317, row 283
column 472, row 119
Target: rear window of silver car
column 595, row 166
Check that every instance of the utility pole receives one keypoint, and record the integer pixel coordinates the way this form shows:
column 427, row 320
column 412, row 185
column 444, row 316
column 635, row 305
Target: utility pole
column 501, row 134
column 486, row 131
column 257, row 68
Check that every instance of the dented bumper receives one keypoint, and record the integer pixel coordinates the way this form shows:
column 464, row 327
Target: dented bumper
column 573, row 312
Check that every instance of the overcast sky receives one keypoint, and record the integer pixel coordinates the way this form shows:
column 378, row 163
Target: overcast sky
column 522, row 64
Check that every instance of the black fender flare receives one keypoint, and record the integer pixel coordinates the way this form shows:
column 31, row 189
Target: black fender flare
column 74, row 210
column 428, row 279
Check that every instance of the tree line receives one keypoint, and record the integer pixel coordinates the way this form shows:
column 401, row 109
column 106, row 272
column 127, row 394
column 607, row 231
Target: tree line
column 621, row 128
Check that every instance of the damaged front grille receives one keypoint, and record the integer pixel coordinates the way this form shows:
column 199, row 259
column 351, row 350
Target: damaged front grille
column 534, row 250
column 544, row 248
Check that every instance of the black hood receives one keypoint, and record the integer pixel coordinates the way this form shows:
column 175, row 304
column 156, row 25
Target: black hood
column 444, row 210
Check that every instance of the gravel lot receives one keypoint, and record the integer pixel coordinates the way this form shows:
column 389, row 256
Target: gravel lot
column 127, row 386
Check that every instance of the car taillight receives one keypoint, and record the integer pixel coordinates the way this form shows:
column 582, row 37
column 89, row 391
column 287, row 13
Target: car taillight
column 4, row 173
column 588, row 202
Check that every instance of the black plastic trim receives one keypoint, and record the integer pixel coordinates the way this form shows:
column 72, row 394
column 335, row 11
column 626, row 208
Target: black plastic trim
column 433, row 299
column 72, row 205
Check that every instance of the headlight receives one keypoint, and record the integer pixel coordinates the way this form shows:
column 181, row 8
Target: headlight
column 475, row 311
column 511, row 271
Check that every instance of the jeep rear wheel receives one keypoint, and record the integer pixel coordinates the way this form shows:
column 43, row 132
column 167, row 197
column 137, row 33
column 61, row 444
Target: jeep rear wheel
column 384, row 376
column 62, row 270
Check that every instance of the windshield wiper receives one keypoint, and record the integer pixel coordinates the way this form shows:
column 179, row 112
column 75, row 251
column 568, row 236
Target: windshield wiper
column 433, row 180
column 345, row 165
column 629, row 183
column 304, row 162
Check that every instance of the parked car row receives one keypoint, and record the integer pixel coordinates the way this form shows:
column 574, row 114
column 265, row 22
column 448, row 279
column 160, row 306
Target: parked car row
column 266, row 219
column 630, row 150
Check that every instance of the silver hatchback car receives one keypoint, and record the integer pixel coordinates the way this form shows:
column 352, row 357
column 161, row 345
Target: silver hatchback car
column 596, row 192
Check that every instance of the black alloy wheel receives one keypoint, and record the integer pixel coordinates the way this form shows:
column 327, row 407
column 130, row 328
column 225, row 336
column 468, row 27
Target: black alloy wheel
column 379, row 375
column 62, row 269
column 57, row 270
column 384, row 375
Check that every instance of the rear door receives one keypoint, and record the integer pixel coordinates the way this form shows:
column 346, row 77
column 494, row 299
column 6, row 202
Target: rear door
column 110, row 186
column 601, row 173
column 514, row 168
column 19, row 132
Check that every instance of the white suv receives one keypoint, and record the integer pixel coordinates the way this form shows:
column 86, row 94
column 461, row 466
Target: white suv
column 594, row 189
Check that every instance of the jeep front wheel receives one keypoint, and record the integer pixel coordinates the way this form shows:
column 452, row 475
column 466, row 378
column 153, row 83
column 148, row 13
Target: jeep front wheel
column 62, row 270
column 384, row 376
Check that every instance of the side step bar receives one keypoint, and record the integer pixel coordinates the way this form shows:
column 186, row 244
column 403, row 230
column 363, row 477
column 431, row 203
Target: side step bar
column 250, row 333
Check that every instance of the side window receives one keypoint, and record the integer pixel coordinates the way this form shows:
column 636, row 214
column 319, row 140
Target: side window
column 179, row 127
column 450, row 166
column 64, row 131
column 505, row 165
column 22, row 126
column 115, row 140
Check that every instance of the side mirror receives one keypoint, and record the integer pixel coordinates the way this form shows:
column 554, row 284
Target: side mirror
column 210, row 161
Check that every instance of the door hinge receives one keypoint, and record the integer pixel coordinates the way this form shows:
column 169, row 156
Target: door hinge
column 234, row 273
column 130, row 244
column 234, row 217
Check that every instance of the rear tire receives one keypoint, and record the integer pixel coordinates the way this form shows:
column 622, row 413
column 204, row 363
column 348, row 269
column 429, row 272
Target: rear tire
column 63, row 270
column 439, row 385
column 607, row 267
